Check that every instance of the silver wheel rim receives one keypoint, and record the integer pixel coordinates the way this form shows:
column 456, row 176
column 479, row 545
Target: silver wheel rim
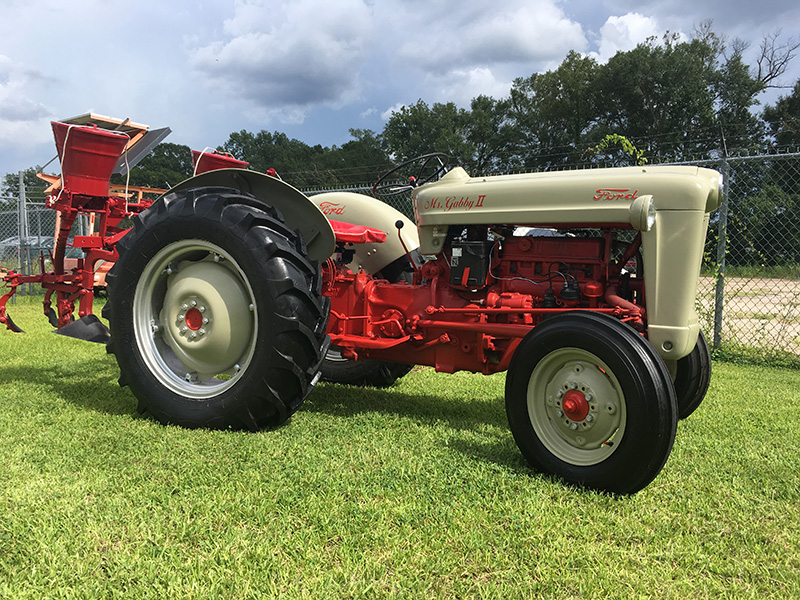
column 194, row 319
column 576, row 406
column 334, row 354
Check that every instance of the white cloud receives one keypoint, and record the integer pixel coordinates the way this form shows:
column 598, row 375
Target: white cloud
column 520, row 31
column 462, row 85
column 23, row 120
column 624, row 33
column 284, row 58
column 386, row 115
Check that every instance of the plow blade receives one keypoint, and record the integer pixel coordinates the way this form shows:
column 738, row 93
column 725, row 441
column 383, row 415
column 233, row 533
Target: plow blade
column 88, row 328
column 52, row 317
column 11, row 325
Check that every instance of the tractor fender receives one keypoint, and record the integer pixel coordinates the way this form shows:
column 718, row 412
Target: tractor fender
column 298, row 212
column 360, row 209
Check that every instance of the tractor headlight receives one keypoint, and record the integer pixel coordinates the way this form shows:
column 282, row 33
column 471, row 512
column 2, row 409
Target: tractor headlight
column 643, row 213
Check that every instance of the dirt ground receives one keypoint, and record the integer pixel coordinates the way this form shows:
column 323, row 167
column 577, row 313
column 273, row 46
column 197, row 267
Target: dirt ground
column 764, row 313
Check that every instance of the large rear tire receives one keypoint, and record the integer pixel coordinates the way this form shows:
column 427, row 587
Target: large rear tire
column 375, row 373
column 590, row 401
column 215, row 313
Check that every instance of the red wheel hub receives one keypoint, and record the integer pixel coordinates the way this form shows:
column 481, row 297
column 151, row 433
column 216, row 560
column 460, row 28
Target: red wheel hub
column 575, row 405
column 194, row 319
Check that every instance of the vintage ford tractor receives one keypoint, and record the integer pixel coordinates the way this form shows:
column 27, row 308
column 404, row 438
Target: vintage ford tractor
column 234, row 293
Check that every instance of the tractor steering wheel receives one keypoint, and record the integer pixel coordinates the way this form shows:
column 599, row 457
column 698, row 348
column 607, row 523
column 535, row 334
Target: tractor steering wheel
column 431, row 166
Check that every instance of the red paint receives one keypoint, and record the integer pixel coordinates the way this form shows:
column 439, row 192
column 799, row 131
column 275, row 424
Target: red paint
column 332, row 208
column 432, row 322
column 194, row 319
column 575, row 405
column 615, row 194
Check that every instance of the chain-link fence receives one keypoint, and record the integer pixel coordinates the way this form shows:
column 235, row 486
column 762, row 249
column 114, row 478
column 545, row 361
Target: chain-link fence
column 749, row 289
column 25, row 241
column 749, row 294
column 401, row 201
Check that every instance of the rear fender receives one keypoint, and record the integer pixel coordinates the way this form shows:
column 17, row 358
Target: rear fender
column 298, row 212
column 360, row 209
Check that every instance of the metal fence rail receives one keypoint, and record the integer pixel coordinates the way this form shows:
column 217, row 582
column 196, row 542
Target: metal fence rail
column 749, row 290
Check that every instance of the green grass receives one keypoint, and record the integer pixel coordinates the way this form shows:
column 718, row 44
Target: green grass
column 414, row 492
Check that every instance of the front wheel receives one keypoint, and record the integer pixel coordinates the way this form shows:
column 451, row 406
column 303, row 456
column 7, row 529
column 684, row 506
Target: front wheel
column 216, row 319
column 590, row 401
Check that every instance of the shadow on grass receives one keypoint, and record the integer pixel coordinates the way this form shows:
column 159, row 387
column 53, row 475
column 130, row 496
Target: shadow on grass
column 90, row 385
column 427, row 408
column 492, row 444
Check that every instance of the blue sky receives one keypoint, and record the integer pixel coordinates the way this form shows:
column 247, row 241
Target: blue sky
column 310, row 68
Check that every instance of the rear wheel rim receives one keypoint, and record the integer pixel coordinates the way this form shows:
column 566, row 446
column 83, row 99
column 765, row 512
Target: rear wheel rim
column 576, row 406
column 197, row 357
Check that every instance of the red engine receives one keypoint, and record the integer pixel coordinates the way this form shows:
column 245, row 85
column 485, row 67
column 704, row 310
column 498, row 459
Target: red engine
column 469, row 308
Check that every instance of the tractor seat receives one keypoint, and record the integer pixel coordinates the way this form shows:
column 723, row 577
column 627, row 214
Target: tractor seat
column 356, row 234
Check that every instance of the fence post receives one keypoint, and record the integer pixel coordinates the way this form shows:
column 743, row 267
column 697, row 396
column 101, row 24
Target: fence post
column 22, row 230
column 722, row 242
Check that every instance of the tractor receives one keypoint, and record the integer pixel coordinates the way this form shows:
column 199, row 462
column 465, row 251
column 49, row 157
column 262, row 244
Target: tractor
column 234, row 293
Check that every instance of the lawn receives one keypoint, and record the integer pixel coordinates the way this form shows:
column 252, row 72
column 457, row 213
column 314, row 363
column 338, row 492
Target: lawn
column 413, row 492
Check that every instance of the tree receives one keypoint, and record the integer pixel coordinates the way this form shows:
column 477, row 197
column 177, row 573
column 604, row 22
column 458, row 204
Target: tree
column 295, row 161
column 555, row 112
column 492, row 135
column 774, row 58
column 167, row 165
column 658, row 96
column 769, row 232
column 9, row 188
column 673, row 99
column 360, row 160
column 736, row 92
column 783, row 119
column 419, row 129
column 482, row 139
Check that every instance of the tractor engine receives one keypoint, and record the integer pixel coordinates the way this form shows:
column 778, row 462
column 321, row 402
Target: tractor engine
column 468, row 308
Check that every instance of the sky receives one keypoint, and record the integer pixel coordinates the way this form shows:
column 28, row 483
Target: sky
column 313, row 69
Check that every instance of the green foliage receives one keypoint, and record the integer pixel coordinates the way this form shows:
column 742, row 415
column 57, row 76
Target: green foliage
column 771, row 218
column 480, row 139
column 166, row 166
column 555, row 112
column 9, row 188
column 612, row 146
column 783, row 119
column 419, row 129
column 659, row 96
column 360, row 160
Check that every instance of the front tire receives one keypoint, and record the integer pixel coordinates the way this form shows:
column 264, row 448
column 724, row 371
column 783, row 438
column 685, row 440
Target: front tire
column 692, row 377
column 590, row 401
column 216, row 317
